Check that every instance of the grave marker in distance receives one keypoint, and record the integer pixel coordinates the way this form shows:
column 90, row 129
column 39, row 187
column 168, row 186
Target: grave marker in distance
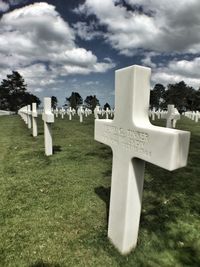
column 34, row 119
column 29, row 116
column 48, row 118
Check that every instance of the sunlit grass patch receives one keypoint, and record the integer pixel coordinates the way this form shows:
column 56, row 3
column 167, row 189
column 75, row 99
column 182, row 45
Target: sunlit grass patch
column 54, row 210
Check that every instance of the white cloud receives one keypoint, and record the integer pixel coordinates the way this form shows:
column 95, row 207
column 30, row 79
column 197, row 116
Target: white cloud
column 163, row 26
column 92, row 83
column 147, row 60
column 3, row 6
column 87, row 32
column 179, row 70
column 36, row 41
column 6, row 4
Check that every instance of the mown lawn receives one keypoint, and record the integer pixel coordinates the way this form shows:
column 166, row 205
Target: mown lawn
column 54, row 210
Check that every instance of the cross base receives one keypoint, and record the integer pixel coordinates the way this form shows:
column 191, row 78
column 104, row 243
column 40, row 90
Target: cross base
column 125, row 202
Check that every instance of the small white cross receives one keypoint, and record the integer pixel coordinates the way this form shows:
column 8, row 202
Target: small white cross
column 96, row 112
column 172, row 116
column 134, row 140
column 29, row 116
column 107, row 113
column 34, row 118
column 80, row 113
column 70, row 113
column 48, row 118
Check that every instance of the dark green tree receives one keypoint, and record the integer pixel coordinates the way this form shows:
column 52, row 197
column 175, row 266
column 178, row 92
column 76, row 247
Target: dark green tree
column 157, row 96
column 181, row 95
column 13, row 93
column 106, row 106
column 196, row 102
column 91, row 102
column 74, row 100
column 54, row 102
column 29, row 98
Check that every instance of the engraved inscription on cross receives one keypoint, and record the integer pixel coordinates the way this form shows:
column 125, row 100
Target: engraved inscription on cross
column 134, row 140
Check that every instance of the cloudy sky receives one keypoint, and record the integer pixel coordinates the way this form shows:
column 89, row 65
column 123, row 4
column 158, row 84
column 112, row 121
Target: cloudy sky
column 60, row 46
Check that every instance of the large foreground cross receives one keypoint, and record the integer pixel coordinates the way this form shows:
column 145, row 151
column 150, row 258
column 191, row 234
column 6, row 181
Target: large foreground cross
column 134, row 140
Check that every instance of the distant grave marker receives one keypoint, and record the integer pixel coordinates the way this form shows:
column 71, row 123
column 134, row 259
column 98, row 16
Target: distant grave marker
column 48, row 118
column 34, row 119
column 62, row 112
column 96, row 112
column 56, row 111
column 172, row 116
column 69, row 112
column 80, row 113
column 107, row 113
column 29, row 116
column 134, row 140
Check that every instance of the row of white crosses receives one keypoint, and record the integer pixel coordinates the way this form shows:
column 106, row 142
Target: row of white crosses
column 99, row 111
column 84, row 112
column 193, row 115
column 134, row 140
column 29, row 117
column 48, row 118
column 71, row 112
column 171, row 115
column 6, row 112
column 23, row 112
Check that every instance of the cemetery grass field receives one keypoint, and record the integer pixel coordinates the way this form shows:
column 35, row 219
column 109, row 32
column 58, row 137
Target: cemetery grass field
column 54, row 210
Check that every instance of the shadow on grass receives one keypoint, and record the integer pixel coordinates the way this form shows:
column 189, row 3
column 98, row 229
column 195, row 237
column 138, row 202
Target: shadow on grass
column 107, row 173
column 104, row 194
column 168, row 198
column 44, row 264
column 102, row 152
column 56, row 149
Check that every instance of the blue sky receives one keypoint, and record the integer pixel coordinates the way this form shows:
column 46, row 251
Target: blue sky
column 64, row 46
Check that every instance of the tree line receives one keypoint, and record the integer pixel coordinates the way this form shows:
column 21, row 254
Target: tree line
column 14, row 95
column 181, row 95
column 76, row 100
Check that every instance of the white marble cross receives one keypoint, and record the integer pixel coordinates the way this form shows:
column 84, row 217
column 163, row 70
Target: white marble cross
column 96, row 112
column 80, row 113
column 197, row 115
column 73, row 112
column 158, row 113
column 34, row 118
column 56, row 111
column 172, row 116
column 107, row 113
column 153, row 112
column 62, row 112
column 69, row 111
column 134, row 140
column 48, row 118
column 111, row 113
column 29, row 116
column 23, row 112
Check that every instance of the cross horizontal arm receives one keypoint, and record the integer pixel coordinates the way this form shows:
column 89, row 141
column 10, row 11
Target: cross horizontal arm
column 164, row 147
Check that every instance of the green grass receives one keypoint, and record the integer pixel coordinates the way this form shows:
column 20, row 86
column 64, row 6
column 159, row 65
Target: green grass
column 53, row 210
